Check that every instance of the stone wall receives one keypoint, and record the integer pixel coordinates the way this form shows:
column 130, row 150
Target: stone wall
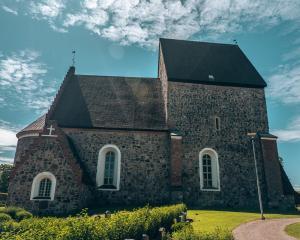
column 191, row 110
column 145, row 163
column 22, row 146
column 46, row 154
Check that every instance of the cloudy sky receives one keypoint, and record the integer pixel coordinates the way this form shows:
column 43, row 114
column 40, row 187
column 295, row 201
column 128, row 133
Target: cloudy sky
column 120, row 37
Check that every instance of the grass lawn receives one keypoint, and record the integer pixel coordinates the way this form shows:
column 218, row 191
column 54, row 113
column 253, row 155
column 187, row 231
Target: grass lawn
column 293, row 230
column 209, row 220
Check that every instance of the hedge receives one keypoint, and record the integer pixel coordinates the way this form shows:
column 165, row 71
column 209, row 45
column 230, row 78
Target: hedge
column 15, row 213
column 121, row 225
column 186, row 232
column 4, row 217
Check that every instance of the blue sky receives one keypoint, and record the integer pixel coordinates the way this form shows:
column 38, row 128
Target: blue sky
column 120, row 37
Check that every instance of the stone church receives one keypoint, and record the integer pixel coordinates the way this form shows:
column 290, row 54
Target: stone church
column 182, row 136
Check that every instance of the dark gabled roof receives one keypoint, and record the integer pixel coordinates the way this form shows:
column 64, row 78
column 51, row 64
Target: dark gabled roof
column 110, row 102
column 189, row 61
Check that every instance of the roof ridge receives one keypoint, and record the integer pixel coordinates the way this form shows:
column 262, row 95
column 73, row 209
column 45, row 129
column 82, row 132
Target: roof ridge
column 115, row 76
column 195, row 41
column 68, row 76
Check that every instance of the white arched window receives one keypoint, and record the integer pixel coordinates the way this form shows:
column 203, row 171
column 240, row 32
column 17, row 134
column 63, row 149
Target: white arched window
column 209, row 170
column 43, row 187
column 109, row 168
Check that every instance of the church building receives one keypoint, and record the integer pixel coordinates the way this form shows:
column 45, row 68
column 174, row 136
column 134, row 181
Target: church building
column 180, row 137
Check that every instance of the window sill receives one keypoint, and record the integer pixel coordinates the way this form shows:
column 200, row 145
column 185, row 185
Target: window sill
column 210, row 189
column 41, row 199
column 108, row 188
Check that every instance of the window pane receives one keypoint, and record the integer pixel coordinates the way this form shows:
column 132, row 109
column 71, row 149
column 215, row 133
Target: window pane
column 109, row 168
column 45, row 188
column 207, row 171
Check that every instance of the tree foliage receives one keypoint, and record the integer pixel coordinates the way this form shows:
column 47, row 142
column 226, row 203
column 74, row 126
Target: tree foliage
column 5, row 170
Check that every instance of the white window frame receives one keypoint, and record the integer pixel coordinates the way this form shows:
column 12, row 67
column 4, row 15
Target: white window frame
column 101, row 165
column 36, row 185
column 215, row 170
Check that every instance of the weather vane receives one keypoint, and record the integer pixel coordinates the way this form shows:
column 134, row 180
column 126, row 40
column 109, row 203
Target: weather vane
column 73, row 58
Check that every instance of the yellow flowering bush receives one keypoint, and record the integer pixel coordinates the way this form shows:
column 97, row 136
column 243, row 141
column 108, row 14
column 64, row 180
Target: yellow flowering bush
column 121, row 225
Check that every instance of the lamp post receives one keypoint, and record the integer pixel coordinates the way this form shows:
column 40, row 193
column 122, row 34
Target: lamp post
column 253, row 136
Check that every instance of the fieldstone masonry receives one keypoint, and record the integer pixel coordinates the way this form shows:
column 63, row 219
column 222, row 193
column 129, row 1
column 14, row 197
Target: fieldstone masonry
column 167, row 123
column 145, row 164
column 240, row 111
column 48, row 154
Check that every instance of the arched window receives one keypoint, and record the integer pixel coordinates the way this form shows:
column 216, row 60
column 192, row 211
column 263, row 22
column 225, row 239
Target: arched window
column 43, row 186
column 209, row 170
column 108, row 169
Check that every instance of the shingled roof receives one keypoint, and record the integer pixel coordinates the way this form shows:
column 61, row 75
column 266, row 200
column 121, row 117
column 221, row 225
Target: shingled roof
column 209, row 63
column 34, row 127
column 110, row 102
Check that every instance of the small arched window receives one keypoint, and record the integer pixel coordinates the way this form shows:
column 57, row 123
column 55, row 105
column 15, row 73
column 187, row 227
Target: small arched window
column 43, row 186
column 217, row 123
column 108, row 168
column 209, row 170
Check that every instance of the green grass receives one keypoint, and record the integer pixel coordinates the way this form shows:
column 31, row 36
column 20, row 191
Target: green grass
column 207, row 221
column 293, row 230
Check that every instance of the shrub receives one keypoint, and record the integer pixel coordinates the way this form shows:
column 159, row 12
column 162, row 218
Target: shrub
column 187, row 233
column 4, row 217
column 179, row 226
column 22, row 214
column 16, row 213
column 218, row 234
column 121, row 225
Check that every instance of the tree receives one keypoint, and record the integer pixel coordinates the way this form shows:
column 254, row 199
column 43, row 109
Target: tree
column 5, row 170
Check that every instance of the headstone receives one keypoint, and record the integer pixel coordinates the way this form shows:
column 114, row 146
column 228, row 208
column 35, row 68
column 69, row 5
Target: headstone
column 182, row 217
column 145, row 237
column 162, row 231
column 107, row 214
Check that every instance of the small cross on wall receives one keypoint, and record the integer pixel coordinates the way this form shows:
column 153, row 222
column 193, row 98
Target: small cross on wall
column 51, row 129
column 51, row 132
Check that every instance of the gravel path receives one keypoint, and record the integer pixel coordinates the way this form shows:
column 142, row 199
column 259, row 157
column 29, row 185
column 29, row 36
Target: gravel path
column 271, row 229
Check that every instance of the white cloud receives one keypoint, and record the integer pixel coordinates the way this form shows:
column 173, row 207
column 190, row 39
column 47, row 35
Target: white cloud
column 21, row 80
column 294, row 54
column 291, row 133
column 2, row 101
column 284, row 84
column 7, row 9
column 142, row 22
column 6, row 160
column 7, row 138
column 47, row 8
column 8, row 141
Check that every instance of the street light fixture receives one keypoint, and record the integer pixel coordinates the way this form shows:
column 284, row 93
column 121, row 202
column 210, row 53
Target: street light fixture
column 253, row 136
